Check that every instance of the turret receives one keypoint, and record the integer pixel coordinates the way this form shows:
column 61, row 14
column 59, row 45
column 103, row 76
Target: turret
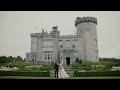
column 85, row 19
column 86, row 28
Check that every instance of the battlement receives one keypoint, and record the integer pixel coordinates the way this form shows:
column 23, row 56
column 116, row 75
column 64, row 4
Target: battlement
column 85, row 19
column 68, row 36
column 42, row 35
column 34, row 34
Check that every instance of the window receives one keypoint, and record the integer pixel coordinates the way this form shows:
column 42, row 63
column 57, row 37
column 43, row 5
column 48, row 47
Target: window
column 28, row 56
column 45, row 56
column 87, row 29
column 96, row 51
column 73, row 46
column 75, row 40
column 34, row 47
column 48, row 44
column 67, row 40
column 48, row 55
column 61, row 46
column 68, row 44
column 95, row 40
column 51, row 56
column 47, row 39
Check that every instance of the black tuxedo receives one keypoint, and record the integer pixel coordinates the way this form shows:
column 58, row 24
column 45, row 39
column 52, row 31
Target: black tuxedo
column 56, row 67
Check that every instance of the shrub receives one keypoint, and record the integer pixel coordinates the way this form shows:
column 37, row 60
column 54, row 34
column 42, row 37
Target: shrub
column 25, row 73
column 85, row 66
column 36, row 67
column 97, row 73
column 75, row 64
column 77, row 60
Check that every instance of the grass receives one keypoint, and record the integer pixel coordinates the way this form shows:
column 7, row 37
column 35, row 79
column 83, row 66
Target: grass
column 94, row 77
column 52, row 77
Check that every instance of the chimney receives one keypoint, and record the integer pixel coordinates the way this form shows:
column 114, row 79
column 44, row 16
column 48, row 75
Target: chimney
column 54, row 29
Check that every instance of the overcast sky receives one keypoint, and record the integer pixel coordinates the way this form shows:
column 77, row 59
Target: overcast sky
column 16, row 26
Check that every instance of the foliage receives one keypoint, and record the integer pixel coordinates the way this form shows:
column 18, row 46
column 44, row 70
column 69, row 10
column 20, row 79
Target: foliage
column 36, row 68
column 78, row 61
column 25, row 73
column 52, row 65
column 103, row 64
column 81, row 68
column 75, row 64
column 4, row 59
column 110, row 61
column 86, row 65
column 97, row 73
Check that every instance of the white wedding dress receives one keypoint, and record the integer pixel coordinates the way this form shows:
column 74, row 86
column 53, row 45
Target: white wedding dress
column 61, row 72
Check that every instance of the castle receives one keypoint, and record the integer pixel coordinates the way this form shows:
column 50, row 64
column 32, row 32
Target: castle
column 49, row 47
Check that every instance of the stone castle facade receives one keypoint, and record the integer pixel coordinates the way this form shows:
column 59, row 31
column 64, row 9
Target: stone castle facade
column 49, row 47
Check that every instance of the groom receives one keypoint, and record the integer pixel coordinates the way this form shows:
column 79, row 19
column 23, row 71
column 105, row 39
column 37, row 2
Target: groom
column 56, row 67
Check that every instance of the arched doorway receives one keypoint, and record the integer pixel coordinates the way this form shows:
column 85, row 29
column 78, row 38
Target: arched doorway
column 67, row 60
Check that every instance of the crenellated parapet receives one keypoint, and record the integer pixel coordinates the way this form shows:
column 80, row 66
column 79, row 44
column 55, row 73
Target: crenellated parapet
column 52, row 34
column 34, row 34
column 68, row 36
column 42, row 35
column 85, row 19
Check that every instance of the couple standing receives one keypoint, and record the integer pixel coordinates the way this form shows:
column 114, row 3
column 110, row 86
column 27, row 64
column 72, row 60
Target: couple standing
column 59, row 70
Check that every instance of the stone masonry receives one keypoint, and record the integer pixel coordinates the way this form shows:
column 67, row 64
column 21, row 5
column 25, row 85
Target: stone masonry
column 49, row 47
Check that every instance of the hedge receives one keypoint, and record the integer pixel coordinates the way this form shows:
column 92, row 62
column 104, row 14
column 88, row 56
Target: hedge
column 97, row 73
column 85, row 68
column 40, row 69
column 25, row 73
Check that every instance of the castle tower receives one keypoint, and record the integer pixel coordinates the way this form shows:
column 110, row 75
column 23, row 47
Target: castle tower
column 34, row 45
column 56, row 35
column 86, row 30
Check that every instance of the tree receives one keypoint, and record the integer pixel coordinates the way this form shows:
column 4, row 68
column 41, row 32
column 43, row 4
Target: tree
column 4, row 59
column 80, row 61
column 19, row 58
column 77, row 60
column 10, row 57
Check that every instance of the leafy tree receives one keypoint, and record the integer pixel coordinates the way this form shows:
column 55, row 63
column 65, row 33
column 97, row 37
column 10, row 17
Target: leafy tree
column 80, row 61
column 77, row 60
column 4, row 59
column 19, row 58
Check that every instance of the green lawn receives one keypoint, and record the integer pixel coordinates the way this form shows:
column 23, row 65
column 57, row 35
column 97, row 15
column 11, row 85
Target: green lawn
column 92, row 77
column 52, row 77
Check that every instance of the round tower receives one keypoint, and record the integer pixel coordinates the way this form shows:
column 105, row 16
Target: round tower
column 86, row 29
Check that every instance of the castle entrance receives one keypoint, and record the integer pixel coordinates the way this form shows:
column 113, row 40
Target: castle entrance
column 68, row 60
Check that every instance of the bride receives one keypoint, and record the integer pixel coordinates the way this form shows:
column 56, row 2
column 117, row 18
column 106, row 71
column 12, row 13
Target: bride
column 61, row 72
